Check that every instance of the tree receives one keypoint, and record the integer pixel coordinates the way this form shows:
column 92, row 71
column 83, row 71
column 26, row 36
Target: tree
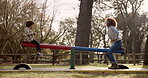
column 14, row 14
column 67, row 32
column 69, row 26
column 146, row 53
column 131, row 24
column 84, row 27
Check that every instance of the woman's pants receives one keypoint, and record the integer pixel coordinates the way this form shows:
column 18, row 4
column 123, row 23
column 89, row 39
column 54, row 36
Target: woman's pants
column 115, row 47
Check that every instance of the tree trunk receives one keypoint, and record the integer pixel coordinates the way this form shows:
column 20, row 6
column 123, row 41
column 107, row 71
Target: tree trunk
column 84, row 27
column 146, row 53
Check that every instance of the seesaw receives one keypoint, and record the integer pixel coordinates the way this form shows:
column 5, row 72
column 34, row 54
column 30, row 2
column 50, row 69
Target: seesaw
column 73, row 49
column 60, row 47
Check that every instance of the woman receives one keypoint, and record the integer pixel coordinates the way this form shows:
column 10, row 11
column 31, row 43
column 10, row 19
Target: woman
column 113, row 35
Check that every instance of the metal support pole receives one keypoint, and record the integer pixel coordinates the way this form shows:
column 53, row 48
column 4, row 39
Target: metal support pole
column 53, row 58
column 81, row 58
column 72, row 60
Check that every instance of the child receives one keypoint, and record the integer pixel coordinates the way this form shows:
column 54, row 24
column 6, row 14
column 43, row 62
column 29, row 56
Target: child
column 115, row 39
column 29, row 36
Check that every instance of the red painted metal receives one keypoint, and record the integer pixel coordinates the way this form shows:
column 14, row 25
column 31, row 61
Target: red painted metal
column 49, row 46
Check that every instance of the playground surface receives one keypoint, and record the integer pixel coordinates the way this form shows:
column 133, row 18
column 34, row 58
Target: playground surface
column 87, row 70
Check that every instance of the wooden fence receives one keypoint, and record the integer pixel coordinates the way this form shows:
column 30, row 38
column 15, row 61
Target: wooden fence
column 58, row 58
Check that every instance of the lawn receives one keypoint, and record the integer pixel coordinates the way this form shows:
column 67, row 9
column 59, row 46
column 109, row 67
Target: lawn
column 2, row 66
column 68, row 74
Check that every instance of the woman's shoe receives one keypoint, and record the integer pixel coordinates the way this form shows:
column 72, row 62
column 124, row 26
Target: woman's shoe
column 114, row 66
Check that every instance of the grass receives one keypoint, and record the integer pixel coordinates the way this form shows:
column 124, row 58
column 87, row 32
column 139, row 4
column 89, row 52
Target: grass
column 68, row 74
column 2, row 66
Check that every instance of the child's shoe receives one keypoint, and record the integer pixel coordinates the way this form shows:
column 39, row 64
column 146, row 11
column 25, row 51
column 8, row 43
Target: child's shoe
column 40, row 55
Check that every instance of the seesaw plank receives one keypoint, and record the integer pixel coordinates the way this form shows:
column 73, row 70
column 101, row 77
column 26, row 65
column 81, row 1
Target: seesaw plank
column 96, row 49
column 49, row 46
column 60, row 47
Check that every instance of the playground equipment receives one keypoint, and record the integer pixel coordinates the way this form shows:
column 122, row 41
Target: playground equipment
column 73, row 49
column 22, row 65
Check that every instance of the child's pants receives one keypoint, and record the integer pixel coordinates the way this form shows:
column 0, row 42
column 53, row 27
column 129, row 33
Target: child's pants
column 37, row 45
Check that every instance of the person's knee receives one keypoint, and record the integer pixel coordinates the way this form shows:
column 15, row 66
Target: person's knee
column 109, row 53
column 37, row 44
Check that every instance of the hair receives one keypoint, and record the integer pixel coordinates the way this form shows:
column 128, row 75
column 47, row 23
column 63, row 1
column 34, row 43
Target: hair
column 29, row 23
column 111, row 22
